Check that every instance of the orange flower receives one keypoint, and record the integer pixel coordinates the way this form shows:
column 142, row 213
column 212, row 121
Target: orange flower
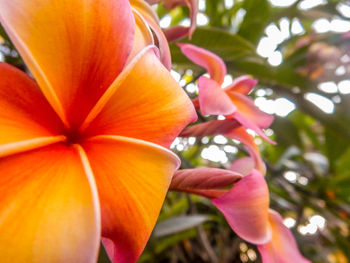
column 81, row 152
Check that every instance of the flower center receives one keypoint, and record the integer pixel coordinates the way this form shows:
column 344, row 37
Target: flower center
column 73, row 136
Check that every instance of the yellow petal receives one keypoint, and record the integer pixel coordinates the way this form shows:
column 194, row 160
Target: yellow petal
column 48, row 209
column 132, row 178
column 142, row 37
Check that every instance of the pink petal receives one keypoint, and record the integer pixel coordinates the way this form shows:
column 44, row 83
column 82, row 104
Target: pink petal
column 243, row 165
column 345, row 35
column 153, row 2
column 175, row 33
column 245, row 208
column 249, row 124
column 282, row 248
column 210, row 128
column 213, row 100
column 193, row 6
column 206, row 59
column 242, row 84
column 249, row 115
column 247, row 107
column 203, row 178
column 244, row 137
column 109, row 247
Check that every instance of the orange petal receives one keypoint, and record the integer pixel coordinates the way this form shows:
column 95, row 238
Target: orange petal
column 163, row 44
column 25, row 115
column 132, row 177
column 146, row 103
column 152, row 19
column 145, row 9
column 282, row 248
column 245, row 208
column 206, row 59
column 142, row 36
column 49, row 211
column 64, row 46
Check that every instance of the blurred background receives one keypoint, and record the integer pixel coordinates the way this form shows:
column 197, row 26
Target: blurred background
column 300, row 53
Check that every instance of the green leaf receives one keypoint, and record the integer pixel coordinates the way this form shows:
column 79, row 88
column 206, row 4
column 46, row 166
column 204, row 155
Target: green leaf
column 3, row 33
column 343, row 164
column 287, row 133
column 103, row 257
column 282, row 75
column 178, row 224
column 223, row 43
column 305, row 126
column 258, row 14
column 167, row 242
column 334, row 147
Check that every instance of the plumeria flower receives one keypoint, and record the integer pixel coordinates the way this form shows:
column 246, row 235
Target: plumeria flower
column 245, row 207
column 83, row 149
column 231, row 101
